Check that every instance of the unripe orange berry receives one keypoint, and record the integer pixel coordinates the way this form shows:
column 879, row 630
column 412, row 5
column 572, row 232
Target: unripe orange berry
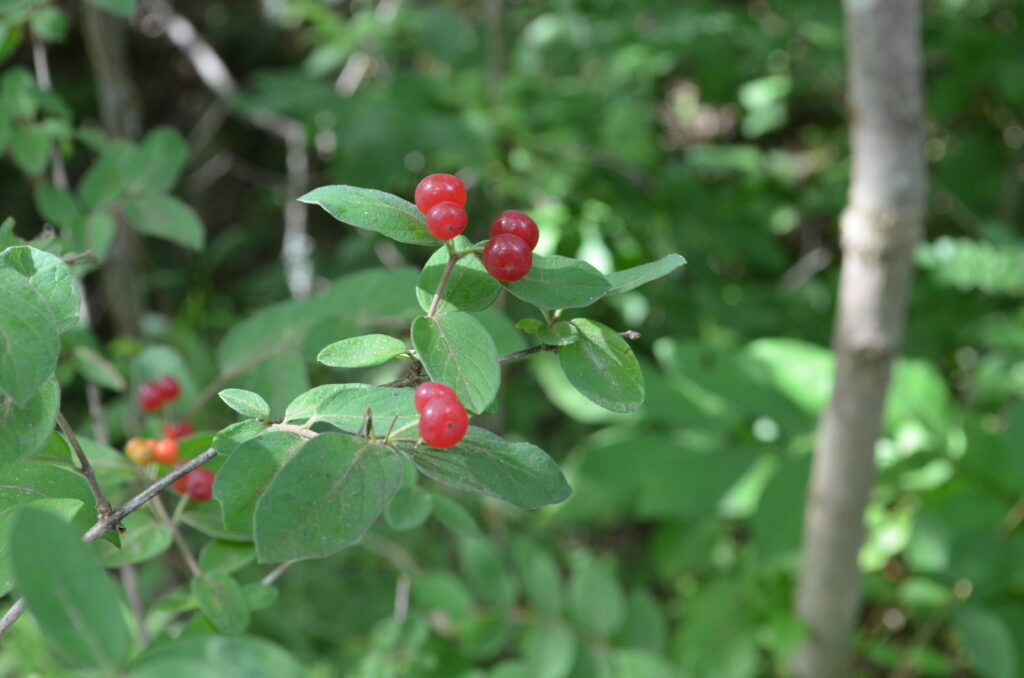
column 139, row 451
column 166, row 451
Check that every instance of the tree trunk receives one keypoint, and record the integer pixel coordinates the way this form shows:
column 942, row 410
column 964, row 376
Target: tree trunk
column 880, row 226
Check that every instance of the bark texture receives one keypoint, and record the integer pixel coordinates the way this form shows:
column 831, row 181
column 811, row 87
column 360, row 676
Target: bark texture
column 880, row 226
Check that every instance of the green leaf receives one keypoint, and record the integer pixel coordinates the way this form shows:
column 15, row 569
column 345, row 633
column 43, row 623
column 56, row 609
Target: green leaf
column 247, row 473
column 68, row 510
column 28, row 337
column 485, row 572
column 556, row 282
column 596, row 599
column 325, row 498
column 95, row 368
column 24, row 429
column 145, row 538
column 344, row 407
column 442, row 590
column 365, row 351
column 409, row 509
column 373, row 210
column 988, row 641
column 225, row 556
column 230, row 438
column 454, row 516
column 56, row 206
column 550, row 650
column 602, row 366
column 542, row 579
column 520, row 473
column 50, row 24
column 470, row 287
column 246, row 403
column 164, row 216
column 51, row 278
column 458, row 351
column 631, row 278
column 222, row 601
column 215, row 656
column 30, row 148
column 95, row 232
column 30, row 481
column 76, row 604
column 163, row 153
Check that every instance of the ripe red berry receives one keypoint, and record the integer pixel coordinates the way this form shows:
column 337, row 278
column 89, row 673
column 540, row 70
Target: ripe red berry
column 178, row 429
column 429, row 390
column 507, row 257
column 150, row 397
column 438, row 188
column 443, row 422
column 166, row 451
column 168, row 387
column 197, row 484
column 517, row 223
column 445, row 220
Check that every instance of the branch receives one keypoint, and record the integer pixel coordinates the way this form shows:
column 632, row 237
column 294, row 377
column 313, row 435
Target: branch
column 453, row 258
column 179, row 540
column 630, row 335
column 113, row 519
column 103, row 507
column 273, row 575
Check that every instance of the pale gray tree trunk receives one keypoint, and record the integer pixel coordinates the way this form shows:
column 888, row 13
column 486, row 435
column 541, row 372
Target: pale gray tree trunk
column 880, row 226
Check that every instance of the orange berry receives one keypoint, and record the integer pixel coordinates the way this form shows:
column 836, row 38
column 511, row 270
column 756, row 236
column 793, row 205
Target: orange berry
column 138, row 451
column 166, row 451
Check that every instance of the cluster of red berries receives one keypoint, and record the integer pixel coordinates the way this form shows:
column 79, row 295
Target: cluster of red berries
column 443, row 419
column 153, row 394
column 197, row 484
column 508, row 255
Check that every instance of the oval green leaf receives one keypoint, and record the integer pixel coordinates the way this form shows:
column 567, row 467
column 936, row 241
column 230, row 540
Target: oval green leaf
column 246, row 403
column 344, row 406
column 556, row 282
column 28, row 338
column 24, row 429
column 631, row 278
column 52, row 279
column 247, row 473
column 458, row 351
column 602, row 366
column 373, row 210
column 469, row 288
column 222, row 601
column 365, row 351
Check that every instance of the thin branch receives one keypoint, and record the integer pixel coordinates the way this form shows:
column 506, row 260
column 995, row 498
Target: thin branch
column 103, row 507
column 130, row 583
column 274, row 574
column 630, row 335
column 179, row 540
column 453, row 258
column 114, row 518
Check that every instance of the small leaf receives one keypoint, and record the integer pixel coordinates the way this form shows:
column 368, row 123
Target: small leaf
column 145, row 538
column 365, row 351
column 231, row 437
column 602, row 366
column 520, row 473
column 215, row 656
column 76, row 604
column 454, row 516
column 457, row 350
column 164, row 153
column 485, row 571
column 542, row 580
column 325, row 498
column 597, row 601
column 95, row 368
column 225, row 556
column 556, row 282
column 24, row 429
column 56, row 206
column 561, row 333
column 30, row 148
column 344, row 407
column 631, row 278
column 246, row 403
column 167, row 217
column 51, row 278
column 409, row 509
column 222, row 601
column 550, row 650
column 469, row 288
column 28, row 338
column 373, row 210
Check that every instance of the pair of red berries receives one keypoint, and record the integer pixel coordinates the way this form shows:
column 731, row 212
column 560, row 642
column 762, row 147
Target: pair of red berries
column 508, row 255
column 197, row 484
column 153, row 394
column 443, row 419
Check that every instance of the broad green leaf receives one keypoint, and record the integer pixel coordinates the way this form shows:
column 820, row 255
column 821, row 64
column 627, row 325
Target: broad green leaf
column 602, row 366
column 988, row 641
column 167, row 217
column 373, row 210
column 76, row 604
column 146, row 538
column 485, row 572
column 30, row 148
column 542, row 580
column 456, row 350
column 325, row 498
column 409, row 509
column 520, row 473
column 164, row 153
column 365, row 351
column 469, row 288
column 51, row 278
column 56, row 206
column 631, row 278
column 344, row 406
column 28, row 337
column 95, row 368
column 596, row 599
column 230, row 438
column 247, row 473
column 225, row 556
column 215, row 656
column 222, row 601
column 68, row 510
column 24, row 429
column 107, row 178
column 556, row 282
column 454, row 516
column 550, row 650
column 246, row 403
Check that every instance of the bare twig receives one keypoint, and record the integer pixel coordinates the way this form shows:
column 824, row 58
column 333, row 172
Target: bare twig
column 179, row 540
column 630, row 335
column 453, row 258
column 274, row 574
column 103, row 507
column 114, row 518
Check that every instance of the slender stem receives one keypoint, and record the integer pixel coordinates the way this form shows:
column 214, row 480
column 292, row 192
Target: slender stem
column 179, row 540
column 130, row 583
column 179, row 509
column 525, row 352
column 453, row 258
column 113, row 519
column 103, row 507
column 274, row 574
column 398, row 431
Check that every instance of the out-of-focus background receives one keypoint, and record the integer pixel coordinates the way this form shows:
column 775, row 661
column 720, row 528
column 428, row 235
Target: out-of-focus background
column 628, row 129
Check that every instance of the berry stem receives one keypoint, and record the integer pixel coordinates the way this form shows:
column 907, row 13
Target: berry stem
column 453, row 258
column 403, row 429
column 179, row 540
column 179, row 509
column 629, row 335
column 103, row 507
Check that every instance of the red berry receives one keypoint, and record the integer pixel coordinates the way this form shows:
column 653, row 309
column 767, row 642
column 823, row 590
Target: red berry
column 181, row 484
column 166, row 451
column 443, row 422
column 517, row 223
column 150, row 397
column 178, row 429
column 438, row 188
column 507, row 257
column 200, row 484
column 168, row 387
column 445, row 220
column 429, row 390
